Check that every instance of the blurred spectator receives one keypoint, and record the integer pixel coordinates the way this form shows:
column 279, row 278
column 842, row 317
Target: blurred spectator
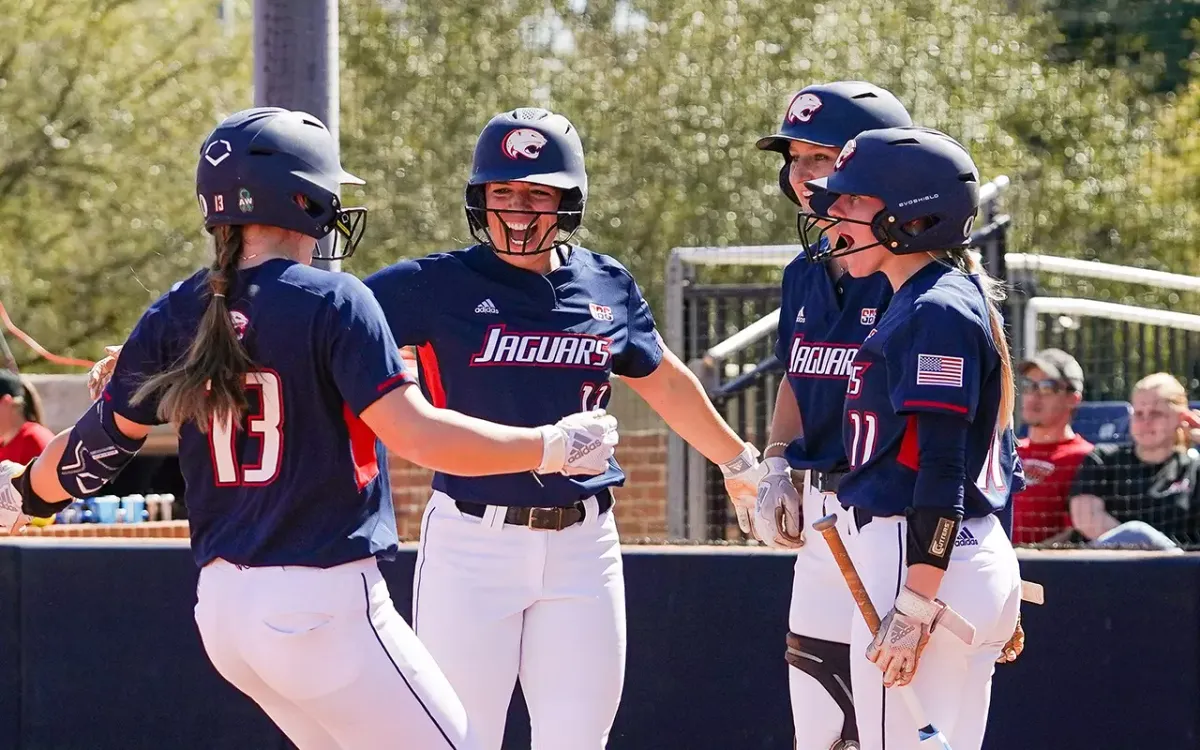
column 1051, row 389
column 1144, row 494
column 22, row 434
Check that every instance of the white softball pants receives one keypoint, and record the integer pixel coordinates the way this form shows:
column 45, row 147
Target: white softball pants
column 953, row 680
column 821, row 608
column 327, row 657
column 494, row 602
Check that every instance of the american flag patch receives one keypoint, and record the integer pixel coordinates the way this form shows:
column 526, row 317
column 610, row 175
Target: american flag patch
column 935, row 369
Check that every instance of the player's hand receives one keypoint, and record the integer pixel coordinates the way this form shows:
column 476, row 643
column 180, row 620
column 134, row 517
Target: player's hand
column 579, row 444
column 903, row 633
column 742, row 475
column 778, row 508
column 12, row 520
column 1015, row 645
column 102, row 371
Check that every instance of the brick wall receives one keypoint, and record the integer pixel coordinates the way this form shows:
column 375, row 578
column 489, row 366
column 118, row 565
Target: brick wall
column 641, row 503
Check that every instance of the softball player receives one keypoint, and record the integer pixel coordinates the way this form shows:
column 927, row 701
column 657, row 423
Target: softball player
column 927, row 430
column 518, row 576
column 279, row 377
column 824, row 317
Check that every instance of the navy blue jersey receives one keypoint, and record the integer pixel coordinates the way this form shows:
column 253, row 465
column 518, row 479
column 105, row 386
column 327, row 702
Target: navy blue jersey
column 512, row 346
column 931, row 352
column 302, row 481
column 820, row 331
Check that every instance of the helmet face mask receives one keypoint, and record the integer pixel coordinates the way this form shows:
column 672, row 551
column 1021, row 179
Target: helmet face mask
column 567, row 222
column 280, row 168
column 527, row 145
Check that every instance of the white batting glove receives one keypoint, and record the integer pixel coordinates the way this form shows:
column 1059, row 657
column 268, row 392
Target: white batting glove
column 579, row 444
column 742, row 475
column 778, row 509
column 102, row 371
column 902, row 636
column 11, row 517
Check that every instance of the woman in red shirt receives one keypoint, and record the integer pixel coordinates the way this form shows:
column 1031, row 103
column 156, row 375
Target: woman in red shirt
column 22, row 434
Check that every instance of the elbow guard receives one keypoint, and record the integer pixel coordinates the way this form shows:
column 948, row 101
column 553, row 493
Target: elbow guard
column 96, row 452
column 32, row 505
column 931, row 535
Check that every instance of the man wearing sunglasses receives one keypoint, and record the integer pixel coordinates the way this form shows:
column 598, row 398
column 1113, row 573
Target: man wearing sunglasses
column 1051, row 384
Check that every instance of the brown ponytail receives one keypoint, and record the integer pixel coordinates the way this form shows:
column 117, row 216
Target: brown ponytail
column 993, row 291
column 209, row 382
column 31, row 403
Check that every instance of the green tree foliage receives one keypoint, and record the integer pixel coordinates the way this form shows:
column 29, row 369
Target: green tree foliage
column 670, row 95
column 103, row 104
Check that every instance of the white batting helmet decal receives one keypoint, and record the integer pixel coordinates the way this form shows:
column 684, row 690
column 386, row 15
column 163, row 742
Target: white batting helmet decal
column 846, row 152
column 803, row 107
column 523, row 143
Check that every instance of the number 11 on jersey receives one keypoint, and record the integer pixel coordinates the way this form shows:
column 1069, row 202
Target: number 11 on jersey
column 592, row 395
column 864, row 426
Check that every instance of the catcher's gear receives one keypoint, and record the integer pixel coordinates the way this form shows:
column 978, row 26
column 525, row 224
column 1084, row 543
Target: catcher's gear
column 742, row 475
column 828, row 663
column 778, row 510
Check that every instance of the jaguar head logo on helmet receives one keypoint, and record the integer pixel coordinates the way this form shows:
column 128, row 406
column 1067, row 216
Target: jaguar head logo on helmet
column 523, row 143
column 803, row 106
column 810, row 143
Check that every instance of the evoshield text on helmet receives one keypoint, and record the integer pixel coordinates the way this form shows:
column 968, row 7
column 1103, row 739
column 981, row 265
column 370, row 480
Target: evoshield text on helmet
column 278, row 167
column 829, row 115
column 926, row 180
column 528, row 145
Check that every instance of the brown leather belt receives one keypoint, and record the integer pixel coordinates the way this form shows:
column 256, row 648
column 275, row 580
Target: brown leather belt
column 540, row 519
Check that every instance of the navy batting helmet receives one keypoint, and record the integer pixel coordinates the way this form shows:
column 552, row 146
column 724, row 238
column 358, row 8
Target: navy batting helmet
column 280, row 168
column 926, row 180
column 829, row 114
column 528, row 145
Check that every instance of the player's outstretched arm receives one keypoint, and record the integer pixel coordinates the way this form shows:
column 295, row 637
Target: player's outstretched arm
column 675, row 393
column 452, row 442
column 76, row 463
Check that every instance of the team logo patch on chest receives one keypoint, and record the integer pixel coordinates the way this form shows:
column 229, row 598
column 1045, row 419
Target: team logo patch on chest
column 820, row 360
column 867, row 316
column 500, row 347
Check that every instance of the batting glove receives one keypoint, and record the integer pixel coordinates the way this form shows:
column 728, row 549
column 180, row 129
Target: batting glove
column 11, row 517
column 778, row 510
column 742, row 475
column 579, row 444
column 102, row 371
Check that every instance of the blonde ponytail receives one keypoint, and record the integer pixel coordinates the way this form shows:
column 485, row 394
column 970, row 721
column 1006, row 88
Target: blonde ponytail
column 993, row 291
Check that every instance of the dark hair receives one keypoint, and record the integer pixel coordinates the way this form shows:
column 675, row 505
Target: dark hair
column 209, row 380
column 31, row 403
column 965, row 261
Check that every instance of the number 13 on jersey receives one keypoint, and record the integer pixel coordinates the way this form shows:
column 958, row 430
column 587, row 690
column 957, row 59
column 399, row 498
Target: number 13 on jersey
column 264, row 424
